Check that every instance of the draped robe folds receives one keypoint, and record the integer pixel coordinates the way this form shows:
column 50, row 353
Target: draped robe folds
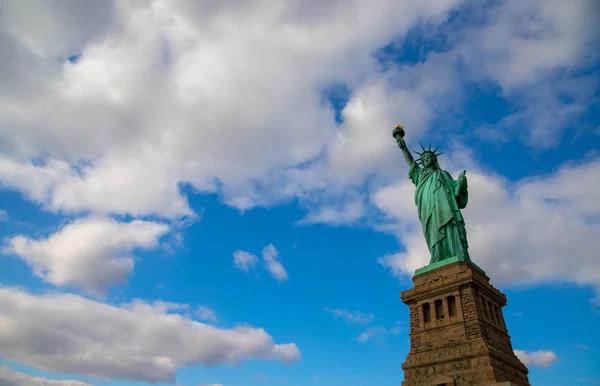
column 439, row 199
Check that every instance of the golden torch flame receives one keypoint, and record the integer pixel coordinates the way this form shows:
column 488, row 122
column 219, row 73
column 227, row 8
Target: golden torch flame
column 398, row 130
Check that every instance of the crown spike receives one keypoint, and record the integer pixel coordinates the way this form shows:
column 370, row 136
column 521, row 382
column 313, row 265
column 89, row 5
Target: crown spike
column 429, row 148
column 422, row 147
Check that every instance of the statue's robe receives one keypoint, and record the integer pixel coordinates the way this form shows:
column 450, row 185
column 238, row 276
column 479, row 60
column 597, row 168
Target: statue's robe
column 439, row 199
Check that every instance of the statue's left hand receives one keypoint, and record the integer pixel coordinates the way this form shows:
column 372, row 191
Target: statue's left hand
column 462, row 175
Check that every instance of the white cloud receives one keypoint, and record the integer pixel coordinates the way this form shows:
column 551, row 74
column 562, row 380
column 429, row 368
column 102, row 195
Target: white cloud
column 544, row 112
column 158, row 93
column 377, row 332
column 531, row 49
column 135, row 184
column 3, row 215
column 157, row 98
column 351, row 316
column 536, row 358
column 244, row 261
column 89, row 253
column 524, row 41
column 137, row 341
column 364, row 146
column 10, row 377
column 206, row 314
column 357, row 317
column 337, row 213
column 371, row 333
column 541, row 229
column 272, row 264
column 76, row 24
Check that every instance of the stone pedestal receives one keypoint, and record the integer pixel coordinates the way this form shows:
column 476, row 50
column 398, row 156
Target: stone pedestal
column 457, row 331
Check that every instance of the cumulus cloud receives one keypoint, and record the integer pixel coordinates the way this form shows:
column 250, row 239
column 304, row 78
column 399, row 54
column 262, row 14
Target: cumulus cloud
column 244, row 261
column 155, row 102
column 537, row 358
column 540, row 229
column 351, row 316
column 138, row 341
column 154, row 94
column 120, row 184
column 523, row 41
column 10, row 377
column 206, row 314
column 272, row 264
column 157, row 94
column 533, row 50
column 89, row 253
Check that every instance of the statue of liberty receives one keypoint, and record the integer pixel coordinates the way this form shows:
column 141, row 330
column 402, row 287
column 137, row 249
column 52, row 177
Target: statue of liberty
column 439, row 199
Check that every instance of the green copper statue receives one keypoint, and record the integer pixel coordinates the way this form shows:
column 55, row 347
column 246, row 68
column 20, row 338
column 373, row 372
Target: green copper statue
column 439, row 199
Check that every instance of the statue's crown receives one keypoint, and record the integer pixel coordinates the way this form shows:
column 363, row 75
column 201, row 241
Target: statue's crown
column 428, row 151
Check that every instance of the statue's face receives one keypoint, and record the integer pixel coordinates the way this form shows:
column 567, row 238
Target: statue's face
column 428, row 160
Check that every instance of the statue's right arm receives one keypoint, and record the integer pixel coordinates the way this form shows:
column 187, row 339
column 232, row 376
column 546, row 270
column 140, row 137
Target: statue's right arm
column 407, row 156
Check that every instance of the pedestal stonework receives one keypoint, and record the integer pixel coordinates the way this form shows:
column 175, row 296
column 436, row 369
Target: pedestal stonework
column 457, row 331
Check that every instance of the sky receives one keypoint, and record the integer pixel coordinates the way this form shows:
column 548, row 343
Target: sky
column 208, row 193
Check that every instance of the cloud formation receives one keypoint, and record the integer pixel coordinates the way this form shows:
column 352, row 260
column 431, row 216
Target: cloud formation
column 351, row 316
column 153, row 94
column 124, row 108
column 206, row 314
column 536, row 358
column 10, row 377
column 91, row 253
column 363, row 319
column 371, row 333
column 137, row 341
column 156, row 93
column 272, row 264
column 244, row 261
column 542, row 229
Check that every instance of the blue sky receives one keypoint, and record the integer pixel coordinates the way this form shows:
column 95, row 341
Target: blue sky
column 209, row 194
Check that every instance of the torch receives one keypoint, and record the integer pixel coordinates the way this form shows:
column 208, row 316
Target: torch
column 398, row 131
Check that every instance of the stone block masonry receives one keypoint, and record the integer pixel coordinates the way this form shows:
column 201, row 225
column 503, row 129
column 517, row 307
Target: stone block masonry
column 457, row 331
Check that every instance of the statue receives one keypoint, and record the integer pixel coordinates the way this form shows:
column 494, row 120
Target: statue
column 439, row 199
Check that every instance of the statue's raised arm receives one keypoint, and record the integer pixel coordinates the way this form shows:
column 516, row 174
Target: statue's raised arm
column 398, row 133
column 439, row 199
